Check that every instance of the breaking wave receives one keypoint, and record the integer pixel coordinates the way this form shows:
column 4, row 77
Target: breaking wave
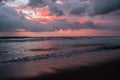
column 60, row 55
column 33, row 39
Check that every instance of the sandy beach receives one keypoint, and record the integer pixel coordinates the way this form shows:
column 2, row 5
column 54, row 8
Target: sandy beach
column 98, row 65
column 59, row 39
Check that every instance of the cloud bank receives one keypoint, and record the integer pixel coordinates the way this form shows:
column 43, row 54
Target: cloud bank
column 73, row 13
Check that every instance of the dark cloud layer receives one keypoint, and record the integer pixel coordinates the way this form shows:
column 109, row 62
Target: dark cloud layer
column 2, row 0
column 37, row 3
column 105, row 6
column 50, row 3
column 78, row 10
column 76, row 7
column 11, row 20
column 64, row 24
column 56, row 11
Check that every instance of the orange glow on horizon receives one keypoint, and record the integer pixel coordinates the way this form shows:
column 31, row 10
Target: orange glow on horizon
column 82, row 32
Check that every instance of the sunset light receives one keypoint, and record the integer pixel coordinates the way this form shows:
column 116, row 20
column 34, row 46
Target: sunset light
column 44, row 16
column 59, row 39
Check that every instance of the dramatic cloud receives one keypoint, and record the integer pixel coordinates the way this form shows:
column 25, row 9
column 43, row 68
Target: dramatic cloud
column 78, row 10
column 78, row 7
column 55, row 15
column 55, row 10
column 10, row 20
column 63, row 24
column 105, row 6
column 4, row 0
column 37, row 3
column 47, row 3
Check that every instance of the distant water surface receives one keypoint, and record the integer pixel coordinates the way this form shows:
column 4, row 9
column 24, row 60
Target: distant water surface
column 16, row 49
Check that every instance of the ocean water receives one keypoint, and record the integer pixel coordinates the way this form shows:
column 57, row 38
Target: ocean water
column 24, row 49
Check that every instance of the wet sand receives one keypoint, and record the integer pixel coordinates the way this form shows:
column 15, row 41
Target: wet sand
column 99, row 65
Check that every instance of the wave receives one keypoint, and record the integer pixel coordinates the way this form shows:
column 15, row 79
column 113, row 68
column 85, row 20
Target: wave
column 23, row 39
column 60, row 55
column 32, row 39
column 43, row 49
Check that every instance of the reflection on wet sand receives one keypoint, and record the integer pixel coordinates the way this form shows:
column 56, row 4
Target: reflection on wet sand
column 95, row 66
column 107, row 71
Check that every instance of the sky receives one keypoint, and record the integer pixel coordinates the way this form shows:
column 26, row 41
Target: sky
column 59, row 18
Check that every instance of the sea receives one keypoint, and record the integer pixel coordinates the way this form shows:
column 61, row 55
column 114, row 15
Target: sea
column 26, row 49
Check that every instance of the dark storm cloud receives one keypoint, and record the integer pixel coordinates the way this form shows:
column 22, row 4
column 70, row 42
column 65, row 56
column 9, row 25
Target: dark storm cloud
column 77, row 7
column 56, row 11
column 64, row 24
column 9, row 20
column 115, row 14
column 5, row 0
column 37, row 3
column 74, row 7
column 78, row 10
column 53, row 0
column 2, row 0
column 105, row 6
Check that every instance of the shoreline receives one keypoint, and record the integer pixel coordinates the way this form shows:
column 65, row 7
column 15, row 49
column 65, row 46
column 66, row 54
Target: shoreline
column 55, row 67
column 107, row 71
